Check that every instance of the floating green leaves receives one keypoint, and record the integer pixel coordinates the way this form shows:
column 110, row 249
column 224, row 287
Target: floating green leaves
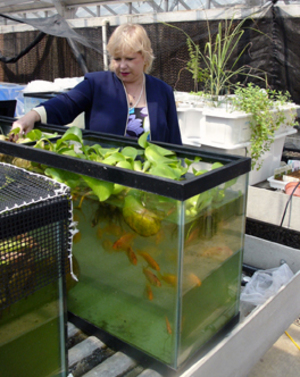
column 148, row 158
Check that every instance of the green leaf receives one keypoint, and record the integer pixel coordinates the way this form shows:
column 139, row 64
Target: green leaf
column 216, row 165
column 104, row 152
column 156, row 155
column 70, row 179
column 129, row 152
column 124, row 165
column 102, row 189
column 137, row 165
column 142, row 141
column 230, row 183
column 165, row 172
column 199, row 172
column 118, row 188
column 73, row 133
column 34, row 134
column 114, row 158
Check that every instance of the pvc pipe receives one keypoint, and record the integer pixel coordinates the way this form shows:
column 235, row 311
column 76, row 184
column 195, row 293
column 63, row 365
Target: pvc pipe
column 105, row 22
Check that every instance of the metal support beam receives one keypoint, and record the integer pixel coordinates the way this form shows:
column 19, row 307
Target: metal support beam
column 156, row 7
column 88, row 10
column 184, row 4
column 110, row 10
column 166, row 5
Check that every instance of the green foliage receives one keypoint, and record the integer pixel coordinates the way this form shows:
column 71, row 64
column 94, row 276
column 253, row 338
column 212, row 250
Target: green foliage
column 267, row 114
column 150, row 159
column 212, row 65
column 193, row 65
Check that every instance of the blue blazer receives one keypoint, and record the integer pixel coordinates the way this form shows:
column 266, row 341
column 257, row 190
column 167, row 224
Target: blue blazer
column 101, row 95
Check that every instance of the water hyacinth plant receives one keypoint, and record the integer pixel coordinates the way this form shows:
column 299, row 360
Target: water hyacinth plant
column 149, row 159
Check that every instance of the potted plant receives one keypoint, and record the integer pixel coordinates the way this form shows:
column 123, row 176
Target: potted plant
column 272, row 113
column 247, row 116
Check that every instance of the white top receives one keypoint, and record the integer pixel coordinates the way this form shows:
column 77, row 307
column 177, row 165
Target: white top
column 43, row 114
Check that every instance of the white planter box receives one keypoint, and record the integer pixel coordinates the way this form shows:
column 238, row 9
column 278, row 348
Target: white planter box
column 191, row 123
column 271, row 159
column 219, row 127
column 225, row 128
column 237, row 353
column 230, row 128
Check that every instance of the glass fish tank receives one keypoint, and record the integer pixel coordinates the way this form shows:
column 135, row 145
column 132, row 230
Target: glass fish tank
column 34, row 238
column 32, row 335
column 158, row 251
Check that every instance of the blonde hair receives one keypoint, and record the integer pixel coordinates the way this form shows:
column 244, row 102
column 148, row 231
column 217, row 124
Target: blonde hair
column 128, row 38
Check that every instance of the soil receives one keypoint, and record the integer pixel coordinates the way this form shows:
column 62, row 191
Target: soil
column 273, row 233
column 295, row 174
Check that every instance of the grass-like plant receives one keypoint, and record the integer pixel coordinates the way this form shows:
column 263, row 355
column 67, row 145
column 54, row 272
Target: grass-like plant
column 213, row 65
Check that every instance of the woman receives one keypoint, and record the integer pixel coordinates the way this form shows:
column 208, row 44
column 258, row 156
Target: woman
column 123, row 101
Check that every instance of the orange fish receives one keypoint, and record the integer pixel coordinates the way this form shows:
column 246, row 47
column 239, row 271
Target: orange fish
column 152, row 263
column 169, row 329
column 131, row 255
column 169, row 279
column 149, row 292
column 152, row 278
column 194, row 280
column 124, row 242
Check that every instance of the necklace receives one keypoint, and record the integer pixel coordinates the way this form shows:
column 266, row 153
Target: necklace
column 132, row 106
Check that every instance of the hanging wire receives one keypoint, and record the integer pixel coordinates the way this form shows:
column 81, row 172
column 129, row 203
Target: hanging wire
column 288, row 202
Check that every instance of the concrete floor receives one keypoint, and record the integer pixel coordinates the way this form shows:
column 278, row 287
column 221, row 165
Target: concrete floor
column 283, row 358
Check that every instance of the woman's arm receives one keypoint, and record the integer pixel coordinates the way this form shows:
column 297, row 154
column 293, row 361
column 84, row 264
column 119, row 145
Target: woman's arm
column 25, row 123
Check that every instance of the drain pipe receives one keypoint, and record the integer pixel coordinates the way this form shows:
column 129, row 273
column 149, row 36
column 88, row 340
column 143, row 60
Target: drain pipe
column 105, row 22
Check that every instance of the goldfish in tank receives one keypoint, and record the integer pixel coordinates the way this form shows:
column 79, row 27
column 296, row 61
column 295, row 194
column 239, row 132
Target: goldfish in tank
column 194, row 280
column 152, row 278
column 149, row 292
column 170, row 279
column 169, row 328
column 124, row 242
column 131, row 256
column 151, row 261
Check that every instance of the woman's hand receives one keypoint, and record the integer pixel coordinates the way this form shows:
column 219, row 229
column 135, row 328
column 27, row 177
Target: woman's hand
column 25, row 124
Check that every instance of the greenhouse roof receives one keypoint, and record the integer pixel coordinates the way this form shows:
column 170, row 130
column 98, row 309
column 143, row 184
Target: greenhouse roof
column 91, row 12
column 71, row 9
